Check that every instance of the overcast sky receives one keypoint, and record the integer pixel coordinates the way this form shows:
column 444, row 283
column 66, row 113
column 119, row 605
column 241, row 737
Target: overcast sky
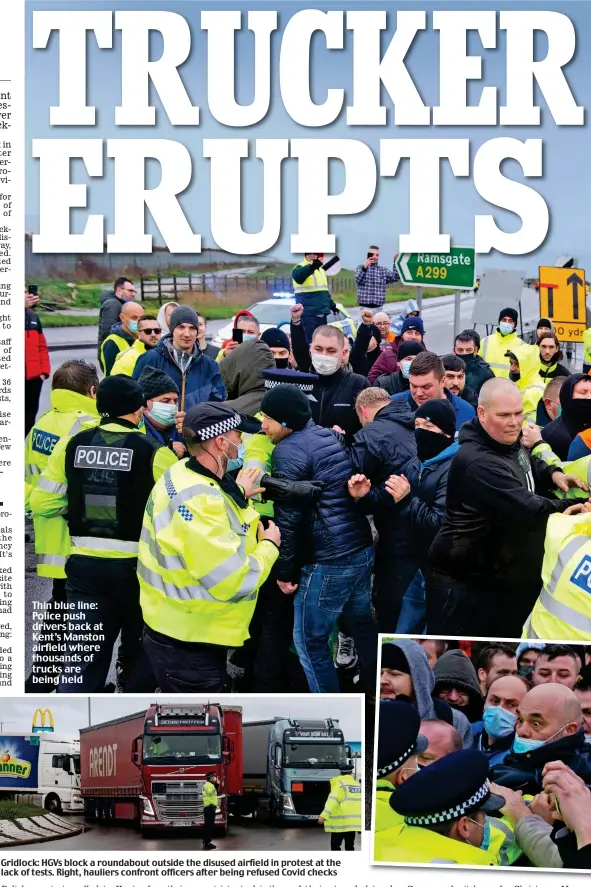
column 72, row 713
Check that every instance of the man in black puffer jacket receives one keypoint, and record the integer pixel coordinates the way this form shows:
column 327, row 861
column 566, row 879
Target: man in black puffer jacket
column 327, row 553
column 549, row 728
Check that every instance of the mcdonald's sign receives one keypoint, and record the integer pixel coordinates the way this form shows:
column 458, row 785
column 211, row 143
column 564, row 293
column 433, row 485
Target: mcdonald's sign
column 43, row 713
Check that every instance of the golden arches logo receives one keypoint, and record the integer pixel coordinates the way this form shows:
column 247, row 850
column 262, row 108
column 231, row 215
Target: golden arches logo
column 42, row 713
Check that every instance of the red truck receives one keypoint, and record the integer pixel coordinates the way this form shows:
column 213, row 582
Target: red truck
column 151, row 766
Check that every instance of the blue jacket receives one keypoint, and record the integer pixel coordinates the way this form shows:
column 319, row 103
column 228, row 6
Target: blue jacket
column 495, row 753
column 333, row 527
column 426, row 510
column 464, row 412
column 203, row 380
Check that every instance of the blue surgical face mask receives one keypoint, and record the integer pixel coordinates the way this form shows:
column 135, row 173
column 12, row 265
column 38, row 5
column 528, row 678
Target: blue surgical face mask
column 133, row 326
column 506, row 328
column 405, row 368
column 163, row 413
column 521, row 746
column 485, row 843
column 248, row 337
column 498, row 722
column 238, row 462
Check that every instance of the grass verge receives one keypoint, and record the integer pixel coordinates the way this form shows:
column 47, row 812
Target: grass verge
column 55, row 319
column 13, row 810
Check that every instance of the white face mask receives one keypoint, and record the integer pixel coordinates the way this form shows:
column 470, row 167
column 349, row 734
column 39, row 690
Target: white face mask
column 324, row 364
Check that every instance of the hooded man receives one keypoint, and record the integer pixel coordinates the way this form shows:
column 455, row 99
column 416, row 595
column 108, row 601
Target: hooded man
column 494, row 348
column 525, row 364
column 279, row 343
column 574, row 418
column 456, row 683
column 242, row 373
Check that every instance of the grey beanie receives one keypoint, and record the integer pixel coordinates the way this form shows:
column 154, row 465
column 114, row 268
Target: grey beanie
column 155, row 382
column 183, row 314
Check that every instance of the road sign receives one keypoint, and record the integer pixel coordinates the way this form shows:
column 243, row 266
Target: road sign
column 455, row 269
column 563, row 301
column 499, row 288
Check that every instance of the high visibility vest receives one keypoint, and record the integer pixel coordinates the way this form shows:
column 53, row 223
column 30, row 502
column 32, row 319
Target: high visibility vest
column 563, row 609
column 315, row 283
column 420, row 845
column 587, row 346
column 126, row 360
column 385, row 817
column 503, row 846
column 581, row 468
column 122, row 345
column 70, row 413
column 493, row 349
column 200, row 564
column 342, row 810
column 530, row 397
column 209, row 794
column 258, row 452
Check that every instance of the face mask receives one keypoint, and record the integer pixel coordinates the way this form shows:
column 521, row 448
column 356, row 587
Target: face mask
column 520, row 746
column 405, row 368
column 515, row 377
column 282, row 363
column 485, row 843
column 324, row 364
column 506, row 328
column 526, row 671
column 467, row 358
column 498, row 722
column 559, row 411
column 163, row 413
column 248, row 337
column 133, row 326
column 580, row 410
column 430, row 443
column 238, row 462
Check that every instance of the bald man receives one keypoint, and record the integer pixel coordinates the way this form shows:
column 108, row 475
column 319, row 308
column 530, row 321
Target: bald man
column 443, row 738
column 549, row 727
column 486, row 559
column 122, row 335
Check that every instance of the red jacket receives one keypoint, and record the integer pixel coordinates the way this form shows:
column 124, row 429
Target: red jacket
column 36, row 353
column 386, row 363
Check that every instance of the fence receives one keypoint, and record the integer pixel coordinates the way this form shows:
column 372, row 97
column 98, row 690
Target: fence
column 163, row 288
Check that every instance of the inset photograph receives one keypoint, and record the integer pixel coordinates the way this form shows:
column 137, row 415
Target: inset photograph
column 483, row 753
column 95, row 773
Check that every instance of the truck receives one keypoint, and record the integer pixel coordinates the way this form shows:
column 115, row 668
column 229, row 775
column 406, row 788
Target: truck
column 288, row 764
column 150, row 767
column 41, row 769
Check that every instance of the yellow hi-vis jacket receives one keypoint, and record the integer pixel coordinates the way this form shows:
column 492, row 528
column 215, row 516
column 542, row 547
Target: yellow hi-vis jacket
column 258, row 452
column 126, row 360
column 412, row 844
column 209, row 794
column 503, row 847
column 385, row 817
column 200, row 564
column 342, row 810
column 315, row 283
column 563, row 609
column 70, row 413
column 581, row 468
column 530, row 383
column 493, row 349
column 50, row 496
column 587, row 346
column 122, row 345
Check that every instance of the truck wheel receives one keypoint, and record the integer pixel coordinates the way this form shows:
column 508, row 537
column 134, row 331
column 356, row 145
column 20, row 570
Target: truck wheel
column 53, row 804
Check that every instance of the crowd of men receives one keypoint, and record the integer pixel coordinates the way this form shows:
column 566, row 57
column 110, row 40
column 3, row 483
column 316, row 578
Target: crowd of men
column 344, row 487
column 484, row 754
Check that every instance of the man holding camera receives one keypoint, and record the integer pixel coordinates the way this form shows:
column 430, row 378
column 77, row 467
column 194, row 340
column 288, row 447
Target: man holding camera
column 310, row 287
column 372, row 279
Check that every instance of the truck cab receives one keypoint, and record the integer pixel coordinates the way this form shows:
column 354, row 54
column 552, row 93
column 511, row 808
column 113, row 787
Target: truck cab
column 41, row 769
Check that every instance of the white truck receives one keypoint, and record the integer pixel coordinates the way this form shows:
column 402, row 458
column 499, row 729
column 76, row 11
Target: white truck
column 41, row 769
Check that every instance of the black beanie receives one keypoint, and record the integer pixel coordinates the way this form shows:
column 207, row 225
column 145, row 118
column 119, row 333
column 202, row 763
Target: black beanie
column 118, row 396
column 275, row 338
column 287, row 405
column 509, row 312
column 394, row 658
column 545, row 323
column 409, row 348
column 441, row 413
column 183, row 314
column 155, row 382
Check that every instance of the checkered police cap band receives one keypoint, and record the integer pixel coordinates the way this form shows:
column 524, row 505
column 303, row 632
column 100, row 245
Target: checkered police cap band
column 389, row 768
column 453, row 813
column 219, row 428
column 306, row 387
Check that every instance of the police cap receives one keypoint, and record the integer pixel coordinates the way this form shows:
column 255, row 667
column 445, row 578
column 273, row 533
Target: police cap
column 303, row 381
column 209, row 420
column 453, row 786
column 118, row 396
column 399, row 736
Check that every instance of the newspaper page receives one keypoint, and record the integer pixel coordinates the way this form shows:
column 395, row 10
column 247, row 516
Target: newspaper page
column 306, row 453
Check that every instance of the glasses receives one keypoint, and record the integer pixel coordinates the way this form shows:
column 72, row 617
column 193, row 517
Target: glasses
column 152, row 331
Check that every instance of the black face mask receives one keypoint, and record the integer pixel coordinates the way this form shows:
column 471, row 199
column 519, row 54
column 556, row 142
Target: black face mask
column 467, row 358
column 430, row 443
column 515, row 377
column 579, row 409
column 282, row 363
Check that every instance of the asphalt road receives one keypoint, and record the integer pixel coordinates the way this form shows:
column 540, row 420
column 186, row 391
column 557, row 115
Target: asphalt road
column 243, row 834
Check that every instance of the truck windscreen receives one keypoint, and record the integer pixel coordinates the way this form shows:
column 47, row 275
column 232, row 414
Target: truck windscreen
column 314, row 754
column 76, row 763
column 181, row 747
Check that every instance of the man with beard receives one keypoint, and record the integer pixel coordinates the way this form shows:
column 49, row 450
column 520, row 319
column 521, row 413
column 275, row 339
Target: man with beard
column 148, row 336
column 456, row 683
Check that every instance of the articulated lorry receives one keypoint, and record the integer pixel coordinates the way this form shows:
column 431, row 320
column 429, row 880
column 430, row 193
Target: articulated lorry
column 41, row 769
column 150, row 767
column 288, row 765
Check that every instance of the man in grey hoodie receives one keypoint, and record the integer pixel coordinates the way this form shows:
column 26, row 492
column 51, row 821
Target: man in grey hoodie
column 407, row 676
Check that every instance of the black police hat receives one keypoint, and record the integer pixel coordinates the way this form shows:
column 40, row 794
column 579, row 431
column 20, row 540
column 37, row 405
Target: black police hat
column 453, row 786
column 399, row 737
column 209, row 420
column 304, row 381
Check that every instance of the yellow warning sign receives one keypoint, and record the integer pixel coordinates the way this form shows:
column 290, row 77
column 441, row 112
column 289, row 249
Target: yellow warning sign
column 563, row 301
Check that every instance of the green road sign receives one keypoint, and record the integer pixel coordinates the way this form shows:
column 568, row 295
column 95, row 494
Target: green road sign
column 455, row 269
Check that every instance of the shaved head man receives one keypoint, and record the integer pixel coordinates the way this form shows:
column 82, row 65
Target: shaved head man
column 500, row 410
column 549, row 712
column 130, row 314
column 443, row 738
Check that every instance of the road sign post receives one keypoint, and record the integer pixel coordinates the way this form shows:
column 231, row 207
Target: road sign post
column 457, row 309
column 420, row 298
column 453, row 270
column 563, row 301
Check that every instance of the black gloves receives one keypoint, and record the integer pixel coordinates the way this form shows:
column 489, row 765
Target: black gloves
column 294, row 492
column 316, row 264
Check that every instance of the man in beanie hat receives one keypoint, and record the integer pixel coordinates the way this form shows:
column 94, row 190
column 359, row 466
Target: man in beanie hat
column 102, row 477
column 494, row 348
column 203, row 556
column 196, row 375
column 327, row 556
column 279, row 343
column 398, row 380
column 411, row 330
column 162, row 398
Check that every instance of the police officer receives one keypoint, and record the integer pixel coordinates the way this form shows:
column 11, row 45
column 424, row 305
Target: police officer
column 444, row 807
column 202, row 556
column 210, row 803
column 73, row 407
column 399, row 742
column 342, row 811
column 310, row 287
column 102, row 477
